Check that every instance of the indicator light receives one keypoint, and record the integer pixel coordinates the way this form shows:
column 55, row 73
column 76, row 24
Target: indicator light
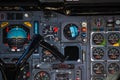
column 36, row 27
column 4, row 24
column 28, row 24
column 55, row 29
column 84, row 29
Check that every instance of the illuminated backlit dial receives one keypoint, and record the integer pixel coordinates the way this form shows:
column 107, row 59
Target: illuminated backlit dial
column 98, row 68
column 113, row 53
column 42, row 75
column 71, row 31
column 113, row 38
column 113, row 68
column 98, row 39
column 98, row 53
column 16, row 36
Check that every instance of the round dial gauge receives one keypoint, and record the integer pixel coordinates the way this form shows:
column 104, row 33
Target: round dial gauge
column 50, row 32
column 97, row 78
column 98, row 38
column 113, row 67
column 113, row 38
column 17, row 36
column 98, row 68
column 42, row 75
column 47, row 56
column 117, row 22
column 113, row 53
column 71, row 31
column 98, row 53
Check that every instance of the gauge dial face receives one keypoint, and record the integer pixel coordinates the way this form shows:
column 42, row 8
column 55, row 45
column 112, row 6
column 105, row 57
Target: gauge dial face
column 113, row 53
column 113, row 38
column 117, row 22
column 16, row 36
column 50, row 32
column 98, row 53
column 97, row 78
column 47, row 56
column 42, row 75
column 17, row 33
column 113, row 68
column 71, row 31
column 98, row 68
column 98, row 39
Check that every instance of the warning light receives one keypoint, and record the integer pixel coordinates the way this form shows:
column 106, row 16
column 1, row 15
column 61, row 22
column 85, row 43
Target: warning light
column 28, row 24
column 55, row 29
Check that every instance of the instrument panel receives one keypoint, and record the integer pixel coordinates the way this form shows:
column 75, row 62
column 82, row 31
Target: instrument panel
column 90, row 44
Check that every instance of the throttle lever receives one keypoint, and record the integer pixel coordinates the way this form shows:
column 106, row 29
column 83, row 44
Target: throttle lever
column 31, row 48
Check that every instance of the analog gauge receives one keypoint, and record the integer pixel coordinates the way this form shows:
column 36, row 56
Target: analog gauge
column 113, row 68
column 71, row 31
column 47, row 56
column 113, row 53
column 98, row 78
column 17, row 37
column 117, row 22
column 113, row 38
column 50, row 32
column 98, row 39
column 42, row 75
column 98, row 53
column 98, row 68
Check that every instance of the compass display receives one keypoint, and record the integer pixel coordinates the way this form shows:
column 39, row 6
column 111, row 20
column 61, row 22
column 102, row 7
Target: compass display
column 71, row 31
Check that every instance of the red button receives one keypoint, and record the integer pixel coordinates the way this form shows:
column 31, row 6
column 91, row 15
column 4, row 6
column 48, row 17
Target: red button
column 77, row 78
column 28, row 74
column 55, row 29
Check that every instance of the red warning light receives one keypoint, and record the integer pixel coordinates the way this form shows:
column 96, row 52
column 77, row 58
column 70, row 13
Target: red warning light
column 55, row 29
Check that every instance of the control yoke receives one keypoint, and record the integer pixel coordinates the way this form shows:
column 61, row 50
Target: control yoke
column 11, row 71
